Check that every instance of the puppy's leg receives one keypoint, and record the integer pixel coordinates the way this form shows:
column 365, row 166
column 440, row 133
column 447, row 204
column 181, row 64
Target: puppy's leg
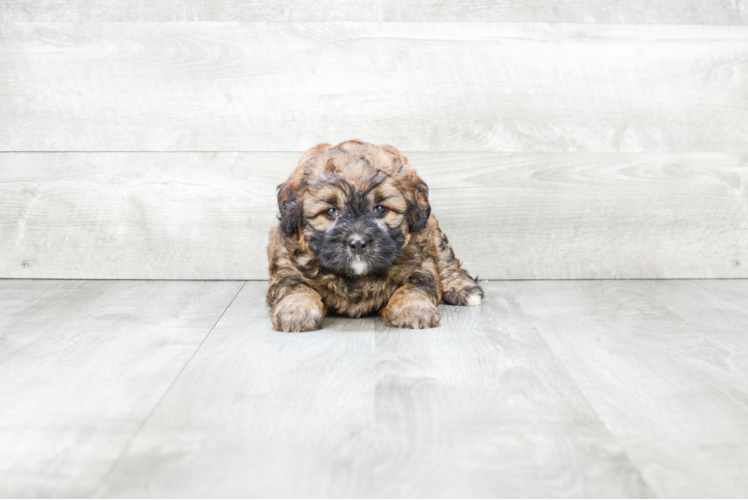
column 299, row 310
column 410, row 307
column 296, row 307
column 458, row 288
column 413, row 305
column 297, row 314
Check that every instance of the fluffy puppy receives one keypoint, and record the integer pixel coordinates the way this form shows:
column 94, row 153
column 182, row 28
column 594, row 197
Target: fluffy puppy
column 356, row 235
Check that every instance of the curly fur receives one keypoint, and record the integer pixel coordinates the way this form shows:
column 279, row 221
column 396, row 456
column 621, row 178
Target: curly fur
column 356, row 236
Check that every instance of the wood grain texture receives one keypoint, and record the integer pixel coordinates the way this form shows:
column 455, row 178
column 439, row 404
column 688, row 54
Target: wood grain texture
column 480, row 408
column 547, row 11
column 477, row 407
column 148, row 216
column 82, row 364
column 423, row 86
column 509, row 216
column 665, row 365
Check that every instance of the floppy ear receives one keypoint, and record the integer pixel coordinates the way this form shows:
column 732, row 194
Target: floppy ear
column 419, row 209
column 290, row 201
column 291, row 214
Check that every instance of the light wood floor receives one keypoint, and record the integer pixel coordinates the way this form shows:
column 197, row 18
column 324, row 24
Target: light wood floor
column 550, row 388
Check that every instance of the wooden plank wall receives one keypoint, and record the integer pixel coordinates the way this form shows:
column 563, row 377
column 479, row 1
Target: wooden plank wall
column 561, row 139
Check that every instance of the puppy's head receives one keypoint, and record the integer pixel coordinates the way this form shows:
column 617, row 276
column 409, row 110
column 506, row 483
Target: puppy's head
column 353, row 207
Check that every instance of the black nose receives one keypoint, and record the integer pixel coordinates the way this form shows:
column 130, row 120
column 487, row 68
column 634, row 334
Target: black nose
column 357, row 244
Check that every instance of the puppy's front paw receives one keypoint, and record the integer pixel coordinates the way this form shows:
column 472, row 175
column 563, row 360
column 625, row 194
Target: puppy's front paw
column 464, row 292
column 411, row 314
column 298, row 313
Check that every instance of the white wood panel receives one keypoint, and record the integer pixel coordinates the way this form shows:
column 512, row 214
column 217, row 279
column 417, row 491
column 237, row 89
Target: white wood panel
column 476, row 408
column 665, row 365
column 575, row 11
column 82, row 365
column 422, row 86
column 509, row 216
column 147, row 216
column 597, row 216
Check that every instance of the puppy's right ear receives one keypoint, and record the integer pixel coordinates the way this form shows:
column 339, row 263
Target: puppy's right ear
column 290, row 193
column 291, row 211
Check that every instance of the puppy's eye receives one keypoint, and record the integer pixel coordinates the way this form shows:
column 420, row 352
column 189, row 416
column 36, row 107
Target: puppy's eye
column 379, row 210
column 331, row 212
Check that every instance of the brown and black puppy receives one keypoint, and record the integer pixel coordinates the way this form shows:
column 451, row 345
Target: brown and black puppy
column 356, row 236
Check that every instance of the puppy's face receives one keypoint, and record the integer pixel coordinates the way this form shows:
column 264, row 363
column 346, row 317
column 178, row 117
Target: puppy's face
column 353, row 207
column 355, row 224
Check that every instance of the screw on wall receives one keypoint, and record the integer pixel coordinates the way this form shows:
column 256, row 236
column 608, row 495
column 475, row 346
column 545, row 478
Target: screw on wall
column 24, row 264
column 736, row 263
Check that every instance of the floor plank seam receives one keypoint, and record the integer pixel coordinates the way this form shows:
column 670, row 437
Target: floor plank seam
column 108, row 473
column 633, row 465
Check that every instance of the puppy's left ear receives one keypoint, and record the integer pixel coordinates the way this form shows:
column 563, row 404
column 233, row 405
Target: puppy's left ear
column 291, row 210
column 419, row 209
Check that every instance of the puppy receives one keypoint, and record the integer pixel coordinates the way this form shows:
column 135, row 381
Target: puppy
column 356, row 236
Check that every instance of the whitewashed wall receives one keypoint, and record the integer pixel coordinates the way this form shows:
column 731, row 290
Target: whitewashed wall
column 577, row 139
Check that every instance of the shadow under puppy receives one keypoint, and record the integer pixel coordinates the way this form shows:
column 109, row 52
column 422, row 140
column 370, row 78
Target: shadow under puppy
column 356, row 235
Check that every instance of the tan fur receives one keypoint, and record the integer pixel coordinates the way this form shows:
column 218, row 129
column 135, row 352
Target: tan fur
column 406, row 295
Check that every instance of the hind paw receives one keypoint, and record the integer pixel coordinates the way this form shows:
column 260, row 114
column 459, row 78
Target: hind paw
column 470, row 294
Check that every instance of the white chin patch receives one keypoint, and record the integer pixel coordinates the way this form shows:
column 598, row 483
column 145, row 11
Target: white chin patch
column 473, row 300
column 359, row 267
